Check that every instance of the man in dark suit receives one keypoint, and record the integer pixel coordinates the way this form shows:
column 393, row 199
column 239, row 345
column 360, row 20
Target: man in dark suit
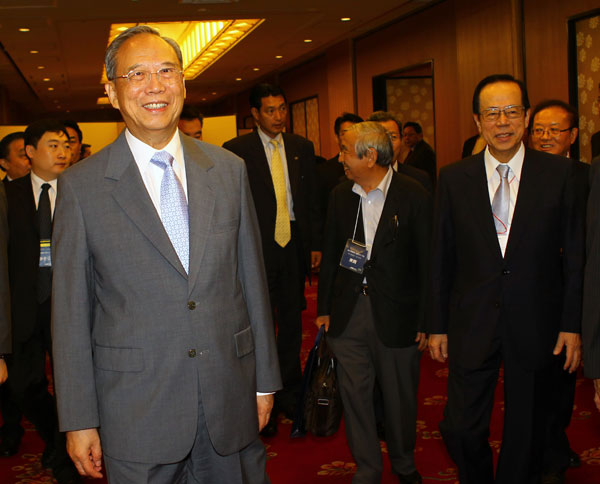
column 394, row 128
column 13, row 160
column 374, row 309
column 30, row 212
column 5, row 326
column 507, row 279
column 553, row 130
column 281, row 170
column 331, row 172
column 590, row 330
column 421, row 155
column 191, row 121
column 163, row 341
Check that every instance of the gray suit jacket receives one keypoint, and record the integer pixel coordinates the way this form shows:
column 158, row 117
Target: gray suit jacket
column 590, row 326
column 5, row 324
column 137, row 342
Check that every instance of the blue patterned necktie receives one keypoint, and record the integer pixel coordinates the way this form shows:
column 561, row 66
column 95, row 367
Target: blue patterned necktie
column 173, row 208
column 501, row 201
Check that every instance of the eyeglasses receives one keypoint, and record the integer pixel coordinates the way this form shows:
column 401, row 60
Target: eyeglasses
column 511, row 112
column 539, row 132
column 167, row 75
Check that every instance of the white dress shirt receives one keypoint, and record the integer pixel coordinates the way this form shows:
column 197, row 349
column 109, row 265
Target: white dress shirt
column 515, row 165
column 152, row 174
column 269, row 148
column 36, row 184
column 371, row 206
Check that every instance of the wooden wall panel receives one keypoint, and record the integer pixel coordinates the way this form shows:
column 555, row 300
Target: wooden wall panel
column 546, row 45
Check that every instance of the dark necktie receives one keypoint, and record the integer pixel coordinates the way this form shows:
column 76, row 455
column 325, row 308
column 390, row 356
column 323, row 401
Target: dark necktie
column 44, row 220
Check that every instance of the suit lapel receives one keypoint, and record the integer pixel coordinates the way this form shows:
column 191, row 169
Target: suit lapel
column 259, row 159
column 476, row 190
column 131, row 194
column 532, row 174
column 201, row 203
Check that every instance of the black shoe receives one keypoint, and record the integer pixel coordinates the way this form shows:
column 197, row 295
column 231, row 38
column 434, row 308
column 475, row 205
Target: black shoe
column 9, row 446
column 412, row 478
column 574, row 460
column 65, row 473
column 48, row 456
column 553, row 478
column 270, row 430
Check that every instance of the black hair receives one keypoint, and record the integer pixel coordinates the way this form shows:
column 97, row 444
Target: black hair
column 37, row 129
column 413, row 125
column 493, row 79
column 7, row 140
column 264, row 90
column 69, row 123
column 345, row 118
column 551, row 103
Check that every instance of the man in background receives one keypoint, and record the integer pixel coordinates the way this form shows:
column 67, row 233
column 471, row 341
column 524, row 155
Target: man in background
column 421, row 155
column 191, row 121
column 31, row 202
column 393, row 128
column 13, row 160
column 75, row 139
column 553, row 129
column 281, row 170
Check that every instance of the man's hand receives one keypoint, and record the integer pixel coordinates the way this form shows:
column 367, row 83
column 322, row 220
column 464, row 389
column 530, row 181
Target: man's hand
column 315, row 259
column 438, row 347
column 265, row 405
column 3, row 371
column 422, row 340
column 572, row 342
column 322, row 321
column 86, row 453
column 597, row 393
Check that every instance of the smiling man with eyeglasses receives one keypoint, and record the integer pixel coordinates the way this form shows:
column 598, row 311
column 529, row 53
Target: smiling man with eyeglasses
column 162, row 318
column 553, row 127
column 507, row 277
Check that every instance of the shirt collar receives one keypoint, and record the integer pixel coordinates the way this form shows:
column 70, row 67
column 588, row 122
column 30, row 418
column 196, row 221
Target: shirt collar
column 383, row 186
column 266, row 139
column 143, row 153
column 515, row 163
column 37, row 182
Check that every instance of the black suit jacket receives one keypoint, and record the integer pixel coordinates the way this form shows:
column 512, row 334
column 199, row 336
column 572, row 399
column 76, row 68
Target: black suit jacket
column 23, row 256
column 423, row 158
column 420, row 175
column 532, row 293
column 397, row 270
column 300, row 156
column 5, row 326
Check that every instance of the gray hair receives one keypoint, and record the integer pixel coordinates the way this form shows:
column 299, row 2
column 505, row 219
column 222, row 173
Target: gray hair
column 383, row 116
column 110, row 57
column 370, row 134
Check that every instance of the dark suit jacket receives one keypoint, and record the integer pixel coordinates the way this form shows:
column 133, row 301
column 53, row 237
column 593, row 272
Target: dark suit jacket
column 532, row 293
column 23, row 256
column 423, row 157
column 397, row 270
column 420, row 175
column 300, row 156
column 5, row 326
column 590, row 331
column 329, row 174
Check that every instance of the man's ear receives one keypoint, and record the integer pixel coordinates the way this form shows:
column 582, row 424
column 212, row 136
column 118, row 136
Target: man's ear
column 477, row 122
column 111, row 92
column 30, row 151
column 254, row 113
column 371, row 157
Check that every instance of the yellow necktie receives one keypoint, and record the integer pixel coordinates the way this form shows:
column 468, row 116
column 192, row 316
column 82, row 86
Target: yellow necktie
column 283, row 232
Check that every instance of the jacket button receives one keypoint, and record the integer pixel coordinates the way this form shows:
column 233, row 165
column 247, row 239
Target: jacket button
column 191, row 305
column 192, row 353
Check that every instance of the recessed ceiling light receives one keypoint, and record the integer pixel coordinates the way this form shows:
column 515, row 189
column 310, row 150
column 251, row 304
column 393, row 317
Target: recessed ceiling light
column 345, row 19
column 41, row 67
column 58, row 107
column 46, row 79
column 238, row 78
column 34, row 51
column 50, row 89
column 23, row 29
column 256, row 69
column 214, row 93
column 307, row 41
column 278, row 57
column 204, row 99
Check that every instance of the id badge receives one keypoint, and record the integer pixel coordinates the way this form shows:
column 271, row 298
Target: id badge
column 354, row 256
column 45, row 253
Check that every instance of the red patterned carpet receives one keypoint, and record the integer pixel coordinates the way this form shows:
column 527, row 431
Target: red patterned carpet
column 327, row 460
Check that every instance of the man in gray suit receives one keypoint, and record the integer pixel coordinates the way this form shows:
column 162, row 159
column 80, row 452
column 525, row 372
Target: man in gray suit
column 162, row 327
